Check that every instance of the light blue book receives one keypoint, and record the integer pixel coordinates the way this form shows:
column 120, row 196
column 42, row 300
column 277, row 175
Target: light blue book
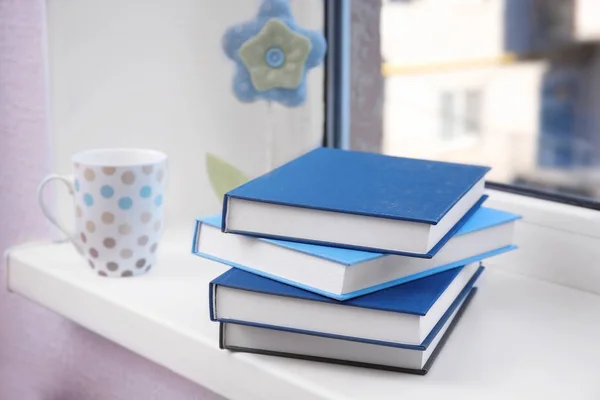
column 343, row 274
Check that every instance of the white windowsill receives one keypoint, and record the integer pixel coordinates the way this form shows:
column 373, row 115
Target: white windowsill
column 520, row 337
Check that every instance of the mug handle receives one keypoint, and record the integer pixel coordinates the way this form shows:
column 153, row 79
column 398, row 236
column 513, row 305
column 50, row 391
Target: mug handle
column 45, row 210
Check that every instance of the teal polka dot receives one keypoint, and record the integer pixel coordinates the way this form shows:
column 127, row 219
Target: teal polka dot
column 146, row 191
column 76, row 185
column 125, row 203
column 107, row 191
column 88, row 199
column 158, row 200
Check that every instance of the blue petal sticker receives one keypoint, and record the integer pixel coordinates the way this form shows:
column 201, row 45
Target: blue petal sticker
column 273, row 55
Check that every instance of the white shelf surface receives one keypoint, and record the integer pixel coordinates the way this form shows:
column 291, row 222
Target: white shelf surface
column 519, row 338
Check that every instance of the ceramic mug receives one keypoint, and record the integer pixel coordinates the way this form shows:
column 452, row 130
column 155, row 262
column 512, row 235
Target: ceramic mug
column 118, row 205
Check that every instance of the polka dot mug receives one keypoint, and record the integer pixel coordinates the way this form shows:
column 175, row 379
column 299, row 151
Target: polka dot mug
column 118, row 199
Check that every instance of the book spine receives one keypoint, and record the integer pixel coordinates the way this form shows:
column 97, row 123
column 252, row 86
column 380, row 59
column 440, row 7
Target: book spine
column 212, row 304
column 221, row 336
column 197, row 229
column 224, row 213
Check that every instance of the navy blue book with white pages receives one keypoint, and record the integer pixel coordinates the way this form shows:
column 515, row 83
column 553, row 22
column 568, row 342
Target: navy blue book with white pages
column 358, row 200
column 280, row 343
column 400, row 316
column 343, row 274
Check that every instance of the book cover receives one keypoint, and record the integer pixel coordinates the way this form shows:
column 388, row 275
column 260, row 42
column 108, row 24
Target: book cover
column 429, row 254
column 486, row 234
column 415, row 297
column 355, row 363
column 365, row 183
column 408, row 206
column 482, row 218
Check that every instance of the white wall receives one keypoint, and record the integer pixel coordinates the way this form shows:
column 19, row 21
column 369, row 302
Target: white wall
column 510, row 116
column 426, row 31
column 151, row 73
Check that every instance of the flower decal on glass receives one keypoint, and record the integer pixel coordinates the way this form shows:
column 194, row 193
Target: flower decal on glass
column 273, row 55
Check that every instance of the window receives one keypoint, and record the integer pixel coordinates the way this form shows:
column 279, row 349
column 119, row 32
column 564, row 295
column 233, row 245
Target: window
column 515, row 83
column 460, row 115
column 447, row 119
column 473, row 112
column 157, row 76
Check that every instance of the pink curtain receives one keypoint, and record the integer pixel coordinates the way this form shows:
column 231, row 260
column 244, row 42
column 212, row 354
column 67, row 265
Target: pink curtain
column 43, row 356
column 24, row 144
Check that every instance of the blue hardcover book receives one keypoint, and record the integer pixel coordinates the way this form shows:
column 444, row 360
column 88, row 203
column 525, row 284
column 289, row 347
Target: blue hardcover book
column 342, row 273
column 358, row 200
column 280, row 343
column 400, row 316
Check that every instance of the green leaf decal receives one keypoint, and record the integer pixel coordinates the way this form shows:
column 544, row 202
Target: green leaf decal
column 223, row 176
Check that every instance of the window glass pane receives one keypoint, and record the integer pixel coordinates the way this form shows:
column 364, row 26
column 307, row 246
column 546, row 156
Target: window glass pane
column 514, row 84
column 167, row 75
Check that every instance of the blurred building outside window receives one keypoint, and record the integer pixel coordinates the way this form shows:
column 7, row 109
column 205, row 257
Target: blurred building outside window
column 514, row 84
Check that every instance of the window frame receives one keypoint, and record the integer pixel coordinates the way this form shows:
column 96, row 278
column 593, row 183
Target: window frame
column 337, row 74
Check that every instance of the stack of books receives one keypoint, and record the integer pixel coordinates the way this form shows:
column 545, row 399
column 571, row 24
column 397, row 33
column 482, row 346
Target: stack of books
column 351, row 258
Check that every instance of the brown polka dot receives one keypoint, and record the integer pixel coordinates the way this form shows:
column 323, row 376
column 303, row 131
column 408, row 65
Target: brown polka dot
column 146, row 217
column 112, row 266
column 148, row 268
column 147, row 169
column 108, row 218
column 157, row 225
column 126, row 253
column 78, row 212
column 143, row 240
column 109, row 243
column 128, row 177
column 125, row 229
column 89, row 174
column 93, row 252
column 90, row 226
column 126, row 274
column 109, row 170
column 91, row 264
column 102, row 273
column 153, row 247
column 83, row 238
column 140, row 263
column 160, row 175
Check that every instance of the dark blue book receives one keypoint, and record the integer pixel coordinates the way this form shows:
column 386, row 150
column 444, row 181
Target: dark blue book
column 401, row 316
column 279, row 343
column 357, row 200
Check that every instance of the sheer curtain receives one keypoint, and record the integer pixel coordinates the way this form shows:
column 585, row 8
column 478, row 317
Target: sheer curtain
column 24, row 143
